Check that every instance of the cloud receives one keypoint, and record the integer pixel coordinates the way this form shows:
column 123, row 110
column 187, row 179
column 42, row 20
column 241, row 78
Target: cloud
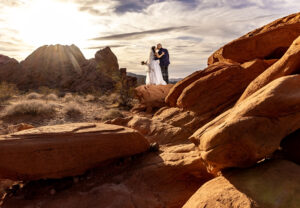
column 135, row 35
column 103, row 46
column 190, row 29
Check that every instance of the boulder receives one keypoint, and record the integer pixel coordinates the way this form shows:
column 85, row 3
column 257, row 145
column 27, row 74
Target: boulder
column 268, row 42
column 176, row 91
column 54, row 66
column 9, row 68
column 154, row 130
column 268, row 185
column 92, row 78
column 151, row 97
column 65, row 150
column 107, row 60
column 188, row 120
column 219, row 90
column 252, row 129
column 162, row 179
column 288, row 64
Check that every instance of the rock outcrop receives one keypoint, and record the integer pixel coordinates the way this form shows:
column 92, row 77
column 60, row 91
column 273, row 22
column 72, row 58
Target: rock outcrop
column 9, row 68
column 53, row 66
column 65, row 150
column 151, row 97
column 65, row 68
column 268, row 42
column 216, row 88
column 270, row 184
column 155, row 130
column 252, row 129
column 165, row 179
column 288, row 64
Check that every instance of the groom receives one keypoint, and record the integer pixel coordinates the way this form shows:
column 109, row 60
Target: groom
column 164, row 62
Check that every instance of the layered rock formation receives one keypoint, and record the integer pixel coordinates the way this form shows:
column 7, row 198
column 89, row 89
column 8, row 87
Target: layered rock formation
column 63, row 67
column 53, row 66
column 268, row 42
column 252, row 129
column 272, row 184
column 65, row 150
column 151, row 97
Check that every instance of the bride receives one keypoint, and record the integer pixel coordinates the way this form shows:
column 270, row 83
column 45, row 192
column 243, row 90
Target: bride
column 154, row 75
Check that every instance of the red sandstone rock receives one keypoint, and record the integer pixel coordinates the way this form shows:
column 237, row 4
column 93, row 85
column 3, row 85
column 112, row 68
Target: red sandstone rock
column 220, row 89
column 65, row 150
column 270, row 184
column 152, row 96
column 53, row 66
column 252, row 129
column 155, row 130
column 164, row 179
column 267, row 42
column 288, row 64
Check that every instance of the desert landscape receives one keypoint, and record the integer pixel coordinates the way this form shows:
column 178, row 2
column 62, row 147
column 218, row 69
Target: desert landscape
column 82, row 133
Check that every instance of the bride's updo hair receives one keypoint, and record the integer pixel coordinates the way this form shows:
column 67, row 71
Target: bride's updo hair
column 153, row 49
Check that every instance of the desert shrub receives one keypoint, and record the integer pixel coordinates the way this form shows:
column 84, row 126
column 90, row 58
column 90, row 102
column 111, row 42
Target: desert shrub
column 114, row 98
column 52, row 96
column 112, row 114
column 30, row 107
column 33, row 95
column 103, row 99
column 7, row 91
column 73, row 110
column 68, row 98
column 79, row 99
column 91, row 98
column 123, row 90
column 46, row 90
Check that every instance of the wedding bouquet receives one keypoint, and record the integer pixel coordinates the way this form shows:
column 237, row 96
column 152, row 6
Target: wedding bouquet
column 145, row 63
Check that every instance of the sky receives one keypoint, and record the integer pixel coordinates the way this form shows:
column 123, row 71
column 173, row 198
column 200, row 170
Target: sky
column 190, row 29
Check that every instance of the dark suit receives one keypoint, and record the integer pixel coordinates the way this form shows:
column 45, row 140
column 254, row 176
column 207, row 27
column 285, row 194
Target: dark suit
column 164, row 63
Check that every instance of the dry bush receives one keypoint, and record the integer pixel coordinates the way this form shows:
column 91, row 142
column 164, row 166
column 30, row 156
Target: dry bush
column 103, row 99
column 91, row 98
column 46, row 90
column 30, row 108
column 113, row 98
column 112, row 114
column 79, row 99
column 68, row 98
column 33, row 95
column 52, row 96
column 7, row 91
column 72, row 110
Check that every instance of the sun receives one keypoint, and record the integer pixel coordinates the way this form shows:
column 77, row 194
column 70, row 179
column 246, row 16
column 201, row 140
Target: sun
column 51, row 22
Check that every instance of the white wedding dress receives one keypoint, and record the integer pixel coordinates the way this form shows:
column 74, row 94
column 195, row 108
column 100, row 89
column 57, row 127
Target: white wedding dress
column 154, row 75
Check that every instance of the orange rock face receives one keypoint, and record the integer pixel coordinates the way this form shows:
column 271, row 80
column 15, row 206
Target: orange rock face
column 176, row 91
column 288, row 64
column 65, row 150
column 217, row 88
column 268, row 42
column 151, row 96
column 164, row 179
column 257, row 187
column 252, row 129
